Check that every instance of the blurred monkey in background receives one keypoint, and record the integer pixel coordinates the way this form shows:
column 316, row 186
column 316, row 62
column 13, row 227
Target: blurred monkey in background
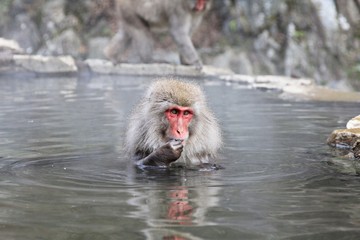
column 139, row 19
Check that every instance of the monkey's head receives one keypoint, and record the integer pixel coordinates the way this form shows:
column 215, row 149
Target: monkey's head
column 177, row 106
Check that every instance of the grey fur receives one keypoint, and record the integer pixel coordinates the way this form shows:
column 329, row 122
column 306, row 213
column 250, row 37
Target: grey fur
column 148, row 124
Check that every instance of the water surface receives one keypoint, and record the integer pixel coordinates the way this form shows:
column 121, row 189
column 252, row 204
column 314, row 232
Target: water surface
column 63, row 174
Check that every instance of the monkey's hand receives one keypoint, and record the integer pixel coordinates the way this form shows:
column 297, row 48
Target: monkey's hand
column 163, row 156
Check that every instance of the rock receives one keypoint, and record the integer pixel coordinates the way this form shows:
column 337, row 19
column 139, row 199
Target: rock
column 354, row 123
column 212, row 71
column 293, row 88
column 10, row 46
column 346, row 139
column 100, row 66
column 44, row 64
column 269, row 82
column 318, row 93
column 280, row 83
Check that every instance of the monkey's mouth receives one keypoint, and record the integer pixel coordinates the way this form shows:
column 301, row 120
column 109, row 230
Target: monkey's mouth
column 183, row 141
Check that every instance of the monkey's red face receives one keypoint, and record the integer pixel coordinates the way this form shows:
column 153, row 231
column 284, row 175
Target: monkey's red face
column 179, row 119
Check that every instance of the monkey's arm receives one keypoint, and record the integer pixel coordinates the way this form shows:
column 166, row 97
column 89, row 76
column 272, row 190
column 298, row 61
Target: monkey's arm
column 163, row 156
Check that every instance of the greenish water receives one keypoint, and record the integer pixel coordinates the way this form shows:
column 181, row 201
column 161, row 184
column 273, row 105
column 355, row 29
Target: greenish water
column 63, row 174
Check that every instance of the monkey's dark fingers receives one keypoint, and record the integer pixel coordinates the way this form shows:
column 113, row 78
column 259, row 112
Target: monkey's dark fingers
column 179, row 148
column 176, row 145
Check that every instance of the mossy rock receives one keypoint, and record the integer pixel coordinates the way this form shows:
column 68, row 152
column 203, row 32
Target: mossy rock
column 346, row 139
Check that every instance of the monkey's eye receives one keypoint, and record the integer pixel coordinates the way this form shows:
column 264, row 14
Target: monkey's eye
column 186, row 112
column 174, row 111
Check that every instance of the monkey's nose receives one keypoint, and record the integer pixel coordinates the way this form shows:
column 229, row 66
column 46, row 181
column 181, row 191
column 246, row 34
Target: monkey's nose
column 180, row 132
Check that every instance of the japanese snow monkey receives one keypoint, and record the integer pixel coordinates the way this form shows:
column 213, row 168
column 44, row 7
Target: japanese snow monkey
column 172, row 126
column 139, row 19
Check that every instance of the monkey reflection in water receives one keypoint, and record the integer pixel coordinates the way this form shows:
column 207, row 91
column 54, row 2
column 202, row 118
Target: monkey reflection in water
column 172, row 201
column 138, row 19
column 180, row 203
column 173, row 126
column 179, row 208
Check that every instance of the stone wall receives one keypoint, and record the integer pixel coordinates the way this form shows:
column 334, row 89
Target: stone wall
column 318, row 39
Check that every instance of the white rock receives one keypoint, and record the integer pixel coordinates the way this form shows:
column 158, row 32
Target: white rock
column 102, row 66
column 10, row 45
column 353, row 123
column 45, row 64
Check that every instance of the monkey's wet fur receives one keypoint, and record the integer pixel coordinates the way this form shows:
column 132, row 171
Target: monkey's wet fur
column 172, row 127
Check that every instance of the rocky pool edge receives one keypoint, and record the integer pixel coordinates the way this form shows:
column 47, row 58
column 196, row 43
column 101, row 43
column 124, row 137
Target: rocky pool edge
column 287, row 87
